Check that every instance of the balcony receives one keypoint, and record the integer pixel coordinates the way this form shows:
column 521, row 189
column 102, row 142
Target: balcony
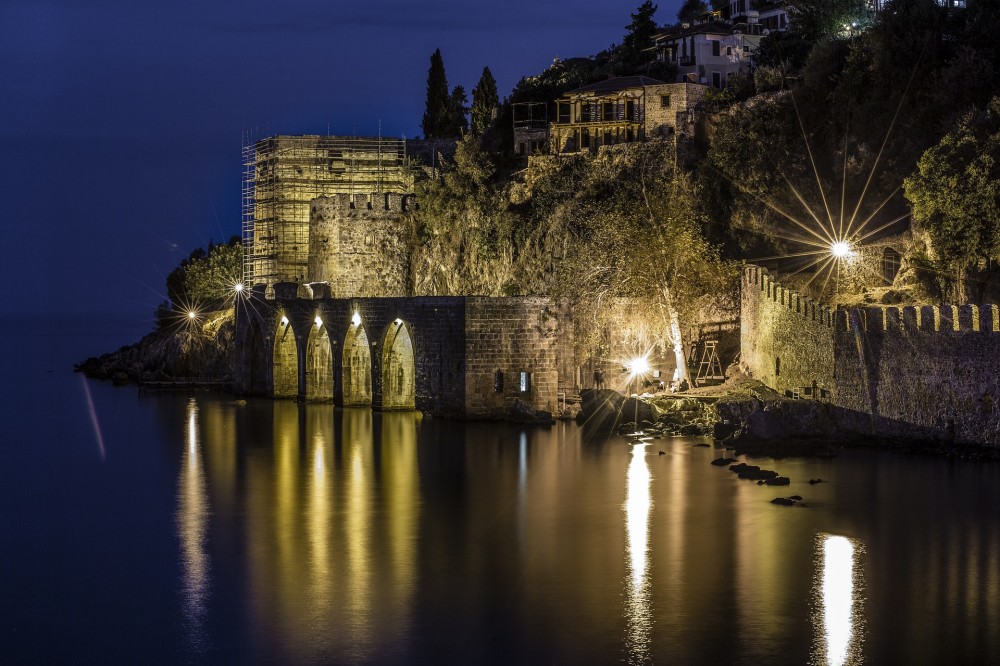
column 687, row 61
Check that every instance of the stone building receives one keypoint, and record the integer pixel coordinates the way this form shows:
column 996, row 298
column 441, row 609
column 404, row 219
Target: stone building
column 283, row 174
column 622, row 110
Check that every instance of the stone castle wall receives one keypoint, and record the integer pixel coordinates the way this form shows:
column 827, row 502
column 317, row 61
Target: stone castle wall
column 359, row 244
column 928, row 371
column 678, row 116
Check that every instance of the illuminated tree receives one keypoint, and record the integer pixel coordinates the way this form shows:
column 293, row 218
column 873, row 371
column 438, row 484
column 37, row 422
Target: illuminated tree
column 955, row 194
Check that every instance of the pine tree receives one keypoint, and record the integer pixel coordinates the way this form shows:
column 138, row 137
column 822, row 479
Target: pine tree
column 640, row 33
column 690, row 10
column 436, row 115
column 485, row 102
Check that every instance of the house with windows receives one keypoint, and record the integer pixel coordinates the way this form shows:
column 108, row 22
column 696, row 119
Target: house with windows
column 622, row 109
column 709, row 53
column 758, row 17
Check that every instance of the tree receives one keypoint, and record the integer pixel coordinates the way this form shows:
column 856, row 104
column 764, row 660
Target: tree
column 205, row 277
column 822, row 19
column 690, row 10
column 485, row 101
column 640, row 34
column 955, row 194
column 457, row 123
column 436, row 116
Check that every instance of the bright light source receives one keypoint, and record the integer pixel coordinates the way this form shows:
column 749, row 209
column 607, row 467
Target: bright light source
column 398, row 321
column 192, row 314
column 841, row 249
column 639, row 365
column 238, row 287
column 356, row 319
column 318, row 320
column 284, row 321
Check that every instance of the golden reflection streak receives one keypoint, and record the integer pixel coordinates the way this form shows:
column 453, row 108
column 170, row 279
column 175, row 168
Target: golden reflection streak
column 319, row 532
column 638, row 503
column 839, row 621
column 192, row 524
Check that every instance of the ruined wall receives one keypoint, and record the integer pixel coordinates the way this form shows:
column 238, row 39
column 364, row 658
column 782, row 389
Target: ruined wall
column 927, row 372
column 511, row 336
column 786, row 339
column 359, row 244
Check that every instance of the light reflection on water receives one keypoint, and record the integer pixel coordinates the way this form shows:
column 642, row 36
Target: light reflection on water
column 638, row 503
column 344, row 560
column 192, row 525
column 839, row 613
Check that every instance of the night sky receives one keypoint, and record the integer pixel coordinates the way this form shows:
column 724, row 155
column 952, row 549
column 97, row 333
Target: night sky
column 121, row 122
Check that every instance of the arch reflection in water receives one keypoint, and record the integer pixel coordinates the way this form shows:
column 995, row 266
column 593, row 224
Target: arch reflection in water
column 192, row 525
column 638, row 503
column 838, row 614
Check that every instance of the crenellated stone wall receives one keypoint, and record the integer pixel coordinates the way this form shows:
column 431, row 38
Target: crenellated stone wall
column 360, row 244
column 928, row 372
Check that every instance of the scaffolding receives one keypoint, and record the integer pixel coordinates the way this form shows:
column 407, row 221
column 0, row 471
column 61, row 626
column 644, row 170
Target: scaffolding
column 283, row 174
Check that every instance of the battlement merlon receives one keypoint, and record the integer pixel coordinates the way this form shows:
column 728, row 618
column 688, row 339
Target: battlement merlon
column 388, row 202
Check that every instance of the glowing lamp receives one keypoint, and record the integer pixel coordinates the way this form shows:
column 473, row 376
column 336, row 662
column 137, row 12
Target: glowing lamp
column 639, row 365
column 841, row 249
column 192, row 314
column 398, row 321
column 284, row 321
column 356, row 319
column 319, row 321
column 238, row 287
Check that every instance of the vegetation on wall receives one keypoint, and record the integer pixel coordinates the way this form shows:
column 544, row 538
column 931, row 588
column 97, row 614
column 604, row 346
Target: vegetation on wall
column 205, row 278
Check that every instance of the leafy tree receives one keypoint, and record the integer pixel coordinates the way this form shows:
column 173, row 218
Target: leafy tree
column 690, row 10
column 955, row 194
column 639, row 36
column 205, row 277
column 822, row 19
column 437, row 116
column 485, row 101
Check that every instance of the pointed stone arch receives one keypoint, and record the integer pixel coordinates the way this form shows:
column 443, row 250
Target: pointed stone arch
column 357, row 367
column 398, row 368
column 319, row 363
column 286, row 361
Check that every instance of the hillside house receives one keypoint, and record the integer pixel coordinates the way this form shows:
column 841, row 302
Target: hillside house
column 709, row 53
column 622, row 110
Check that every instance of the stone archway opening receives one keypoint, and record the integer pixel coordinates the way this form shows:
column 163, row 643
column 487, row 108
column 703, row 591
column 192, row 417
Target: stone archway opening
column 286, row 361
column 319, row 363
column 357, row 367
column 891, row 261
column 398, row 368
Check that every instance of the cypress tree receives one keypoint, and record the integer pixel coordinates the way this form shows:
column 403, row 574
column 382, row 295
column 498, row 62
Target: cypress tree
column 436, row 114
column 485, row 102
column 640, row 33
column 457, row 122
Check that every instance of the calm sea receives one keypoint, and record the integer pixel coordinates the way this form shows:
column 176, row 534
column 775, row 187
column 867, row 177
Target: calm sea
column 145, row 528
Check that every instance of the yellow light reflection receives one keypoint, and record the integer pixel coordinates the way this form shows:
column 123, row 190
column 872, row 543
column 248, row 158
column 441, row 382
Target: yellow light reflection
column 839, row 620
column 637, row 508
column 192, row 525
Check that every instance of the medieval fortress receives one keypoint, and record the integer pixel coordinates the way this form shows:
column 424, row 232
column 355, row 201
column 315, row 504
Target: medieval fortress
column 331, row 315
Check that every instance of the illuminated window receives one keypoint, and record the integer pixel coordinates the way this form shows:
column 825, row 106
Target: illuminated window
column 525, row 382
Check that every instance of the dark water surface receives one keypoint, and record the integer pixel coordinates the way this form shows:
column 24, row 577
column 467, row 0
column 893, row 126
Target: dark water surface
column 188, row 528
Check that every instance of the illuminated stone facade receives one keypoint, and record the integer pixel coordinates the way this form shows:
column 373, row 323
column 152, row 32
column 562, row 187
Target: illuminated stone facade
column 926, row 372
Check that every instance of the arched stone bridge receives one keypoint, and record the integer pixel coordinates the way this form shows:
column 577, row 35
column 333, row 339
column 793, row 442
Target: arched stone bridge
column 471, row 357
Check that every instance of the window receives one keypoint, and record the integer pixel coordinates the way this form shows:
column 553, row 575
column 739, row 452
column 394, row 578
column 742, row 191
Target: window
column 369, row 239
column 498, row 382
column 777, row 366
column 729, row 50
column 525, row 382
column 716, row 79
column 890, row 264
column 665, row 101
column 715, row 47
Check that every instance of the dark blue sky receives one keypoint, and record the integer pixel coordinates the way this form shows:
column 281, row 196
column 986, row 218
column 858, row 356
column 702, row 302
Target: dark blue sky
column 121, row 122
